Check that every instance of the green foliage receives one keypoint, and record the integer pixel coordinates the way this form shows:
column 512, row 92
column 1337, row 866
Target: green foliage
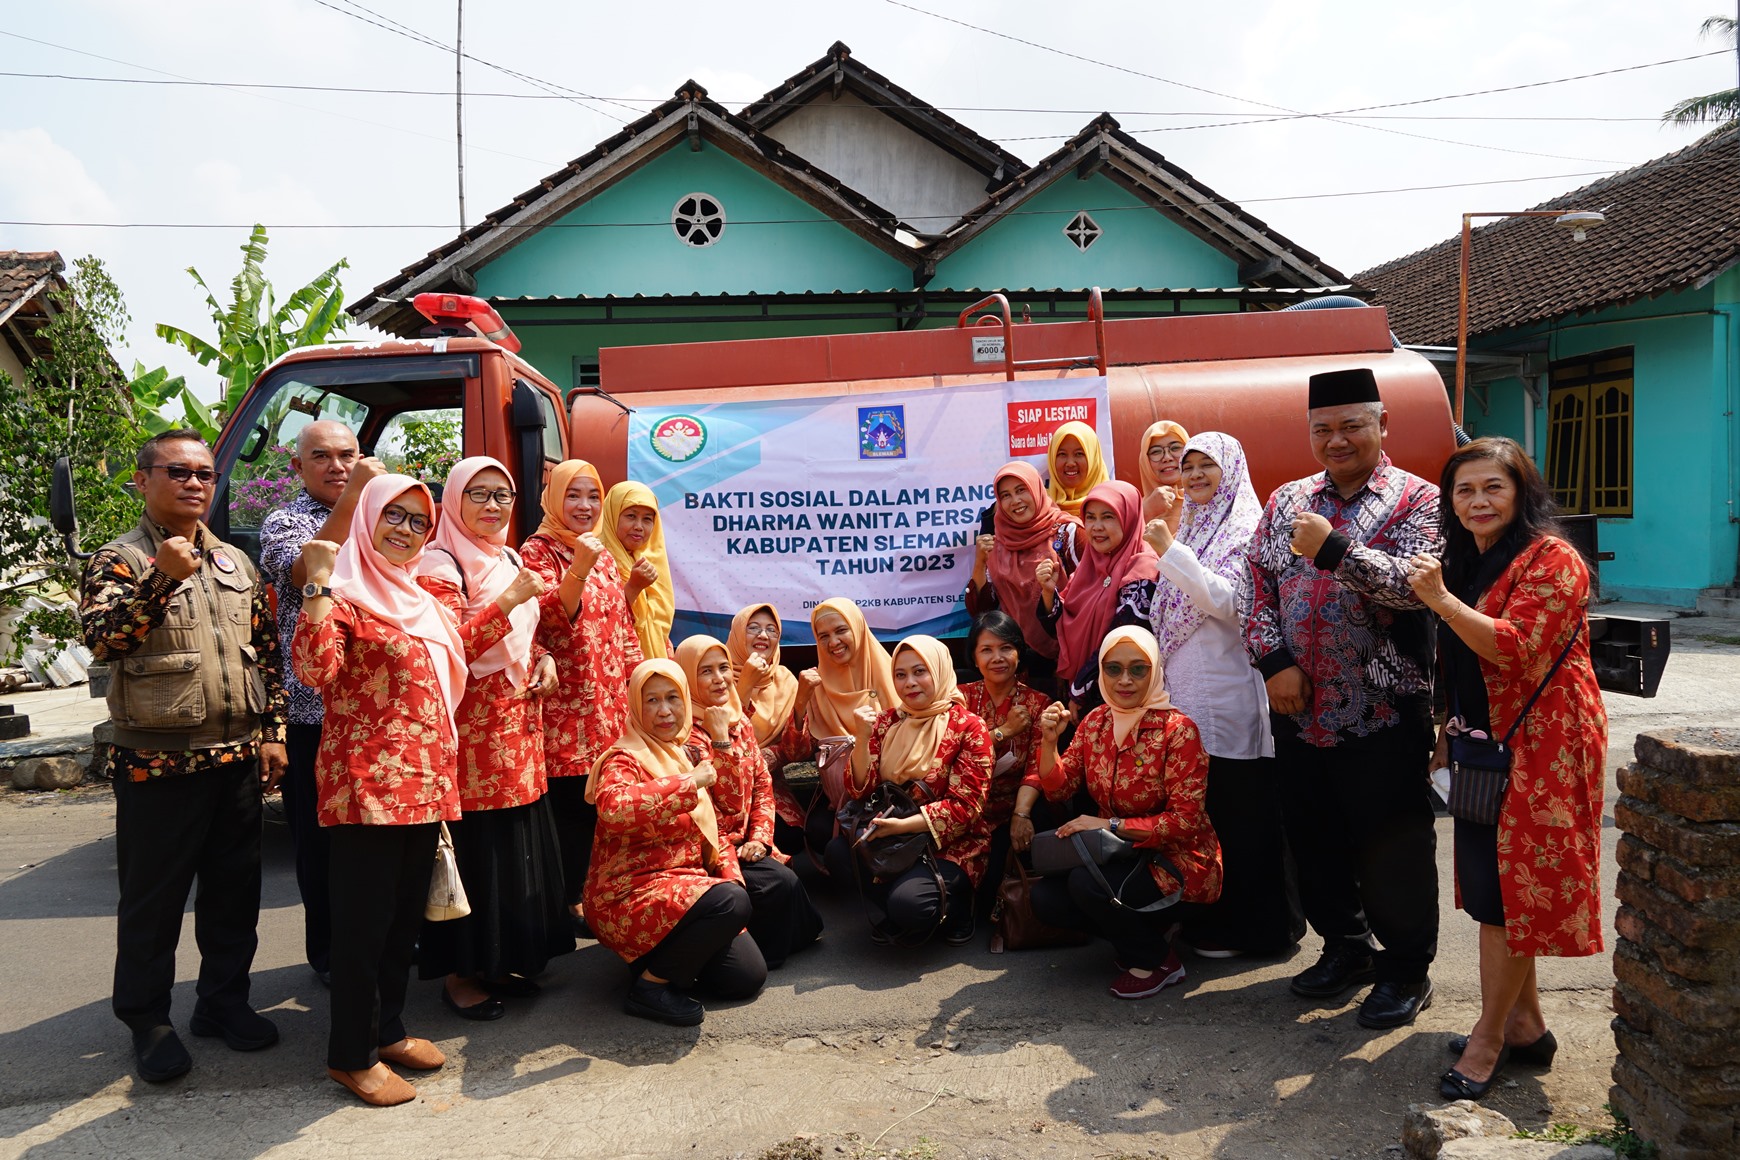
column 1719, row 108
column 254, row 329
column 428, row 448
column 75, row 403
column 1625, row 1143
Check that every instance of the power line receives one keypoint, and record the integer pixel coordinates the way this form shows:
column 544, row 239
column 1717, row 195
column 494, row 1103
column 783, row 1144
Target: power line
column 1230, row 96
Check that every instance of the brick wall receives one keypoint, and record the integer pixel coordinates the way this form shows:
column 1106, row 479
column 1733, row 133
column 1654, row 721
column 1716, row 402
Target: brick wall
column 1677, row 960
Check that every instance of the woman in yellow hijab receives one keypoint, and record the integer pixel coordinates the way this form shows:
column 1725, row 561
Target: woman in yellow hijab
column 1075, row 466
column 1160, row 466
column 635, row 538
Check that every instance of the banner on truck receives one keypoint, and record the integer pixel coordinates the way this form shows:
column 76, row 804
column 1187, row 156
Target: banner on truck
column 872, row 497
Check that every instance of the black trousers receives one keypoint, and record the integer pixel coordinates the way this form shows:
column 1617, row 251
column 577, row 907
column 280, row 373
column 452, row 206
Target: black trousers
column 1359, row 819
column 170, row 833
column 379, row 885
column 313, row 849
column 782, row 919
column 707, row 950
column 576, row 822
column 1258, row 909
column 910, row 907
column 1076, row 901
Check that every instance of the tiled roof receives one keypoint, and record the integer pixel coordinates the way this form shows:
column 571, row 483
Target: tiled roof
column 1672, row 223
column 22, row 272
column 24, row 277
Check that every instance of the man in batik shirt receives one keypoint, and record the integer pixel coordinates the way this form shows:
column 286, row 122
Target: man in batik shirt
column 1346, row 649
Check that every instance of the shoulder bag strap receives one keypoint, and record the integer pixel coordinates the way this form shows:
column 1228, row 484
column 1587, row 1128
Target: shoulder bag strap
column 1141, row 867
column 1540, row 688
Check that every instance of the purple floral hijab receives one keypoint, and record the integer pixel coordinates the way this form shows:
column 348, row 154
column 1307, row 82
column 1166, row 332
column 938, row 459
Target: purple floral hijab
column 1219, row 532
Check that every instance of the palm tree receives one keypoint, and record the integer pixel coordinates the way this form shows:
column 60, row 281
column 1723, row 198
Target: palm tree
column 1713, row 108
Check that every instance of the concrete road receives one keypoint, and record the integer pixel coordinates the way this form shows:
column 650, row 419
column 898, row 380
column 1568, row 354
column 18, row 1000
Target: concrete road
column 853, row 1050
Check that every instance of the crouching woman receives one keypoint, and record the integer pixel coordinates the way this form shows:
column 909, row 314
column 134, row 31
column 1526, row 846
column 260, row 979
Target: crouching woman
column 663, row 891
column 1144, row 766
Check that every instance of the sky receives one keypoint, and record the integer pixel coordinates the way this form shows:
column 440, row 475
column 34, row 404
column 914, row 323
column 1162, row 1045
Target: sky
column 370, row 177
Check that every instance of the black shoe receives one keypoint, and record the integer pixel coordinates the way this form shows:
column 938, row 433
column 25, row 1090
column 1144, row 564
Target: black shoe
column 159, row 1054
column 1341, row 966
column 325, row 978
column 512, row 987
column 1453, row 1085
column 1539, row 1053
column 1394, row 1004
column 880, row 937
column 580, row 927
column 658, row 1002
column 960, row 934
column 482, row 1012
column 243, row 1028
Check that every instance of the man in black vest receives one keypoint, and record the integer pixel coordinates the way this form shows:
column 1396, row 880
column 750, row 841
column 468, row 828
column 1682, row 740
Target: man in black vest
column 197, row 702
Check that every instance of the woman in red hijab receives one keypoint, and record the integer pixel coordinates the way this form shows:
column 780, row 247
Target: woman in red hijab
column 1113, row 587
column 1030, row 527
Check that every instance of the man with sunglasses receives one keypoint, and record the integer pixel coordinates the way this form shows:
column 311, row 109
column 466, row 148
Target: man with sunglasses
column 333, row 472
column 197, row 701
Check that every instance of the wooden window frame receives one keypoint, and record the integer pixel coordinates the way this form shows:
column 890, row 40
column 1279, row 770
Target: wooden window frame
column 1592, row 433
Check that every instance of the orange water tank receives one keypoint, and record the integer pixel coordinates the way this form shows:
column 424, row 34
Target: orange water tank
column 1244, row 374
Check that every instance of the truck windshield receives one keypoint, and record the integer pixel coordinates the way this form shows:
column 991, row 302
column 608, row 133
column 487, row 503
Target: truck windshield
column 404, row 409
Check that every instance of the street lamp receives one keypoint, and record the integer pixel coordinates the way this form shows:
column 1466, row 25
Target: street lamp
column 1578, row 221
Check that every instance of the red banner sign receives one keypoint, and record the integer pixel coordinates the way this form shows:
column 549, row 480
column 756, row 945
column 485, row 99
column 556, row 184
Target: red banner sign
column 1031, row 423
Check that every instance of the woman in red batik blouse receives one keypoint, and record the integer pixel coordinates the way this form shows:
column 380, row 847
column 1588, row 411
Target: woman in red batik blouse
column 941, row 753
column 391, row 666
column 665, row 891
column 1144, row 766
column 505, row 842
column 783, row 921
column 587, row 710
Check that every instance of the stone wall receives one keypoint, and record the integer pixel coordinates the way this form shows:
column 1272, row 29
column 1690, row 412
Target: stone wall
column 1677, row 961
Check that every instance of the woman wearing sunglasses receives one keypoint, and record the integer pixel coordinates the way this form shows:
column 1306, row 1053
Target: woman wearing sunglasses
column 1143, row 764
column 390, row 662
column 505, row 841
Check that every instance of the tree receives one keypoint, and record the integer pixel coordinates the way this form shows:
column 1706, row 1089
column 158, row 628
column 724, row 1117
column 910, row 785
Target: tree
column 253, row 330
column 75, row 403
column 1712, row 108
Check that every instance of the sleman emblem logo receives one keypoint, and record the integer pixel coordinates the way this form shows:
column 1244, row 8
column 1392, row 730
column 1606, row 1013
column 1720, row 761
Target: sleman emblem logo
column 882, row 432
column 679, row 438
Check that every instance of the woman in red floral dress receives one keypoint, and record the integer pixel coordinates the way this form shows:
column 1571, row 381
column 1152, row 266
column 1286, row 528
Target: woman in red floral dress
column 665, row 891
column 593, row 659
column 783, row 921
column 391, row 667
column 1144, row 766
column 1010, row 710
column 941, row 753
column 505, row 842
column 1515, row 598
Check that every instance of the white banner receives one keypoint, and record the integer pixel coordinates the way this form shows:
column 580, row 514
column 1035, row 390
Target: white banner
column 876, row 498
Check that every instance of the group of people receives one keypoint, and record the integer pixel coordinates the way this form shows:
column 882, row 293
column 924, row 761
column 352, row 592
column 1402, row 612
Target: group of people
column 1239, row 694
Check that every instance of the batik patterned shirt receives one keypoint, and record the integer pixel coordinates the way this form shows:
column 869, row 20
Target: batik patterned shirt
column 281, row 538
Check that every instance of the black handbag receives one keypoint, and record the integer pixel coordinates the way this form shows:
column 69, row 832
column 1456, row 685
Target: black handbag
column 1480, row 766
column 1092, row 849
column 887, row 858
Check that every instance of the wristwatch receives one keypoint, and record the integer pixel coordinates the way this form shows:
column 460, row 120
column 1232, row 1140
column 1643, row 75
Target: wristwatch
column 997, row 736
column 311, row 590
column 1115, row 824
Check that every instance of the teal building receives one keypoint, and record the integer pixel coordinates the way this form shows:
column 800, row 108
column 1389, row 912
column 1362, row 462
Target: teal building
column 840, row 202
column 1615, row 361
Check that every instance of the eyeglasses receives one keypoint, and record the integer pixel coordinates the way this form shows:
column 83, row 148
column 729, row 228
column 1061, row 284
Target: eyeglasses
column 181, row 473
column 761, row 630
column 1166, row 451
column 396, row 515
column 500, row 495
column 1116, row 671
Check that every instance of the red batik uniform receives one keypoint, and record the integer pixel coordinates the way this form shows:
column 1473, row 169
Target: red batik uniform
column 1000, row 801
column 647, row 861
column 1155, row 784
column 387, row 751
column 587, row 712
column 743, row 795
column 954, row 789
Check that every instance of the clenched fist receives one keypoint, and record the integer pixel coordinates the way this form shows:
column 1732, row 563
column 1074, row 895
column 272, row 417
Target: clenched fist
column 528, row 585
column 177, row 558
column 1046, row 572
column 319, row 557
column 642, row 576
column 1054, row 721
column 704, row 775
column 716, row 719
column 587, row 549
column 1310, row 530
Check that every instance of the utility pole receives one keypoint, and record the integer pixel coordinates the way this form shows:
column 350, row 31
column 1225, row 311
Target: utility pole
column 459, row 101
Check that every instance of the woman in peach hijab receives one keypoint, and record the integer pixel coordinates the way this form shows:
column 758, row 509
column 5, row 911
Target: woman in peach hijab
column 1162, row 454
column 665, row 891
column 941, row 753
column 1076, row 465
column 841, row 697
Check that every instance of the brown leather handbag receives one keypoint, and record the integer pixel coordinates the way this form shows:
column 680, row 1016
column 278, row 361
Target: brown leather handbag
column 1015, row 925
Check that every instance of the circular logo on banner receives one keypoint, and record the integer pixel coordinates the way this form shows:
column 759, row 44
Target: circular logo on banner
column 678, row 438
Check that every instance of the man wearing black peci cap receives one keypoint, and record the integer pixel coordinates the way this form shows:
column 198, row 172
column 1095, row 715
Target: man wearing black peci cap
column 1346, row 650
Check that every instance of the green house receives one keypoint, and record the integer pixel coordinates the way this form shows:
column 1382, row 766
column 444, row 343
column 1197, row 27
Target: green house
column 840, row 202
column 1615, row 361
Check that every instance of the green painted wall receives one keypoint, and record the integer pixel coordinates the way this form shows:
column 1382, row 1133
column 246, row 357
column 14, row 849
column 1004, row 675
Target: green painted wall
column 1138, row 248
column 801, row 249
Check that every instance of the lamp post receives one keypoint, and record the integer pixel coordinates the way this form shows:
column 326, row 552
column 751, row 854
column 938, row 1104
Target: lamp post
column 1578, row 221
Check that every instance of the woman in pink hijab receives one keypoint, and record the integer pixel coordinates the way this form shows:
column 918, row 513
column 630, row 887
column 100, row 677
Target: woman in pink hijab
column 505, row 841
column 1028, row 527
column 391, row 663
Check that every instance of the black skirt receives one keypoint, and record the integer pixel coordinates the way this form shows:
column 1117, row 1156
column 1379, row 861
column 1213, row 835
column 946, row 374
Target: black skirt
column 1477, row 872
column 511, row 866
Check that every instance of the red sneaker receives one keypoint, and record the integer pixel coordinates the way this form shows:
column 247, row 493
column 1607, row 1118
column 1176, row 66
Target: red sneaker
column 1130, row 986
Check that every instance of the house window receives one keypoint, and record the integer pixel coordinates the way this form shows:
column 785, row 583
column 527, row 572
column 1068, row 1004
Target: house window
column 585, row 371
column 1082, row 231
column 1590, row 433
column 699, row 219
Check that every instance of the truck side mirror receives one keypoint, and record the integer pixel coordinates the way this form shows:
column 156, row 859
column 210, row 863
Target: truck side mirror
column 62, row 512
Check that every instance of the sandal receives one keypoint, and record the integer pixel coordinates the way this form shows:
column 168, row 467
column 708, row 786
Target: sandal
column 392, row 1093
